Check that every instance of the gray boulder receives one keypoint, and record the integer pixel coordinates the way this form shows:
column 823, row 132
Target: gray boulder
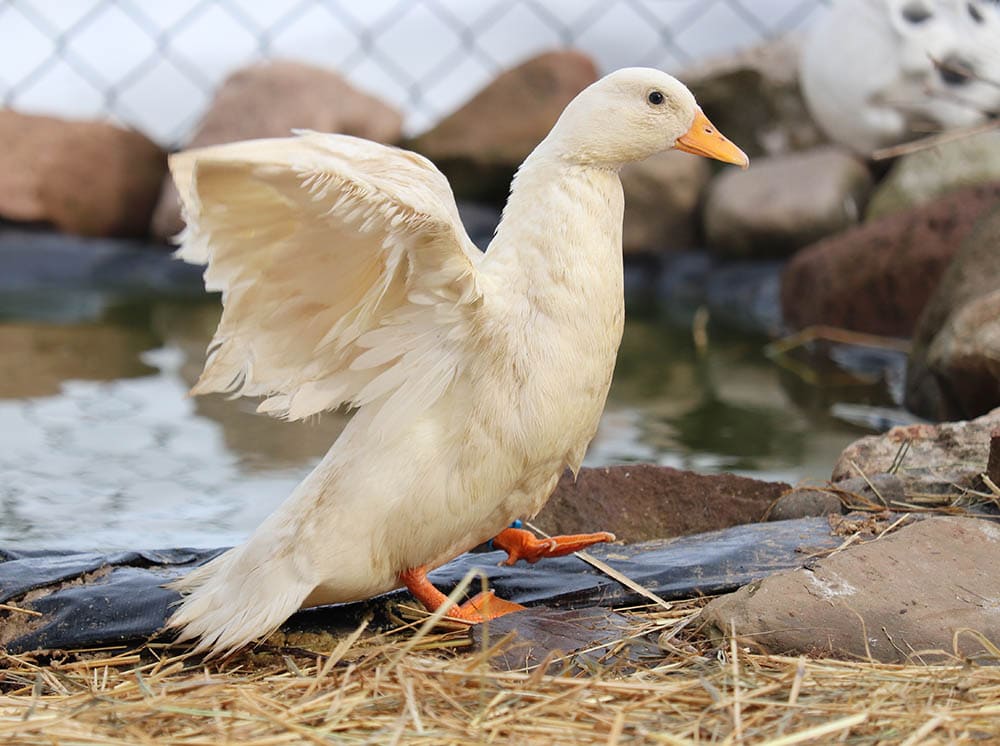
column 785, row 202
column 919, row 177
column 954, row 368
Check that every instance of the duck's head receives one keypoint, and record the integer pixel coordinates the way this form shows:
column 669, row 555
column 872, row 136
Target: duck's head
column 632, row 114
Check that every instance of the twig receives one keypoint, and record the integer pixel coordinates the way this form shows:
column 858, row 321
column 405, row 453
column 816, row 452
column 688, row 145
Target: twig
column 612, row 573
column 926, row 143
column 19, row 610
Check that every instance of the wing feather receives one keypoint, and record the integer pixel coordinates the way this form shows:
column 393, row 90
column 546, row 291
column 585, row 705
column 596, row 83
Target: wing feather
column 345, row 273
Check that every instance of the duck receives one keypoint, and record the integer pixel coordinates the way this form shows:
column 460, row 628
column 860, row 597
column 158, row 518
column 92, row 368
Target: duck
column 475, row 379
column 876, row 73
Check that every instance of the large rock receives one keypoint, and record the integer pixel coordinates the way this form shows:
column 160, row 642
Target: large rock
column 896, row 599
column 272, row 99
column 785, row 202
column 640, row 502
column 921, row 176
column 87, row 178
column 479, row 146
column 878, row 277
column 753, row 96
column 954, row 369
column 926, row 458
column 661, row 201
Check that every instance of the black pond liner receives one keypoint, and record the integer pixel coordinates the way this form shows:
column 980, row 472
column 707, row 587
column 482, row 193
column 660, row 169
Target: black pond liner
column 104, row 599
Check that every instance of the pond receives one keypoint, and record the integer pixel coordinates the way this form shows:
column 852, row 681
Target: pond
column 101, row 447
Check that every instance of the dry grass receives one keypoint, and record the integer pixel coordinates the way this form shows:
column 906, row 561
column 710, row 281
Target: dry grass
column 426, row 686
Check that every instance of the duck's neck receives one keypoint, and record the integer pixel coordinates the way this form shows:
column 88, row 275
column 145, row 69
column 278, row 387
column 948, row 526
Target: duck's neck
column 562, row 222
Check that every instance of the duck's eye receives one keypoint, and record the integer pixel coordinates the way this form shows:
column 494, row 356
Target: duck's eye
column 655, row 97
column 916, row 13
column 974, row 13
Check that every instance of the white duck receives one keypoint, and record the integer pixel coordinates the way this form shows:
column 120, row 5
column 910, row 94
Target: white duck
column 347, row 279
column 874, row 72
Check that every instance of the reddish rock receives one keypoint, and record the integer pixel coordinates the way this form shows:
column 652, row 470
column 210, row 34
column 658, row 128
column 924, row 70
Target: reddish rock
column 272, row 99
column 954, row 367
column 479, row 146
column 785, row 202
column 897, row 599
column 640, row 502
column 878, row 277
column 661, row 201
column 951, row 454
column 87, row 178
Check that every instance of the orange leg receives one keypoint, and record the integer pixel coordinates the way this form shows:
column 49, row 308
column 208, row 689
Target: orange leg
column 521, row 544
column 479, row 608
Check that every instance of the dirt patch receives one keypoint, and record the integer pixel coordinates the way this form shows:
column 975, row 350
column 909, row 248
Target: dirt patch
column 19, row 618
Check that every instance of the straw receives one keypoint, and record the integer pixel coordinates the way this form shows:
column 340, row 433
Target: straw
column 417, row 687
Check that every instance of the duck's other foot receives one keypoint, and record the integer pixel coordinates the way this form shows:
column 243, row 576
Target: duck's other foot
column 522, row 544
column 477, row 609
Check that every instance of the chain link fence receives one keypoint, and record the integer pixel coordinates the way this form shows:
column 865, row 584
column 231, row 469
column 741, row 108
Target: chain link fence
column 153, row 65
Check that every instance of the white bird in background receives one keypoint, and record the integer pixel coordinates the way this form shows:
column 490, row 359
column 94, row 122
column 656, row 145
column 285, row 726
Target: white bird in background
column 879, row 72
column 348, row 279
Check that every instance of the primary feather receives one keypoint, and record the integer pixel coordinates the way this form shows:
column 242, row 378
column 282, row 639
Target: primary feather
column 347, row 279
column 336, row 258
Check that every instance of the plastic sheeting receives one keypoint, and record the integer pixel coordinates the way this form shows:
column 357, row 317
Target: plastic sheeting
column 90, row 599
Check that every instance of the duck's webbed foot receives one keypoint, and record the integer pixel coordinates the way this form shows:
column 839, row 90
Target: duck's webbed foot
column 522, row 544
column 477, row 609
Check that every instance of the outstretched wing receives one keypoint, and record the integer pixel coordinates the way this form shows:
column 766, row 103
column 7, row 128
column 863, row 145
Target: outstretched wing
column 346, row 275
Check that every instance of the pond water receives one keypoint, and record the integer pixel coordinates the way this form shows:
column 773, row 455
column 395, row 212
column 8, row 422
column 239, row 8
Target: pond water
column 100, row 446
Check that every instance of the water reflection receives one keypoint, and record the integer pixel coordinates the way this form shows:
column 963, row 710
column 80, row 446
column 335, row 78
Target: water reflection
column 100, row 446
column 726, row 408
column 260, row 442
column 37, row 358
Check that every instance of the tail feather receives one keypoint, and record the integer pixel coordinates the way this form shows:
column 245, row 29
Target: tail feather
column 238, row 597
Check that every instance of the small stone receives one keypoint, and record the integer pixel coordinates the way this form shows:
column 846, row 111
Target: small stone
column 920, row 177
column 87, row 178
column 661, row 201
column 785, row 202
column 897, row 599
column 804, row 502
column 480, row 146
column 270, row 100
column 878, row 277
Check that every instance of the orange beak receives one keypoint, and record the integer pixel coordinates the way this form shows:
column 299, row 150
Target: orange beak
column 704, row 139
